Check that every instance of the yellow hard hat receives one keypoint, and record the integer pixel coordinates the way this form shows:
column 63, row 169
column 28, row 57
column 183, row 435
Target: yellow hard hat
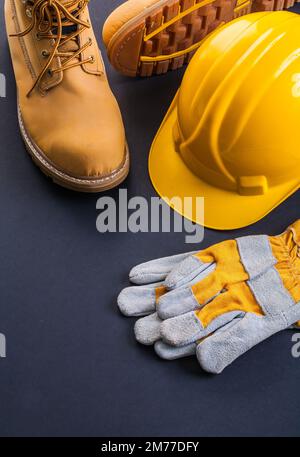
column 232, row 132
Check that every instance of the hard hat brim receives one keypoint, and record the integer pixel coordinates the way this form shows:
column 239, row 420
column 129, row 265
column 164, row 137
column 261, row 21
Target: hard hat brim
column 223, row 210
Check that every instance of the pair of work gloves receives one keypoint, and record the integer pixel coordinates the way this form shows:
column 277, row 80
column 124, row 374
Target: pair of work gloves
column 217, row 303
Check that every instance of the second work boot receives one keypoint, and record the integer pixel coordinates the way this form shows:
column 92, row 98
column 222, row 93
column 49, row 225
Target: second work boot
column 68, row 116
column 150, row 37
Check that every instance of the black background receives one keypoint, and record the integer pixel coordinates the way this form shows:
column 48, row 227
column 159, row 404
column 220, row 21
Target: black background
column 73, row 366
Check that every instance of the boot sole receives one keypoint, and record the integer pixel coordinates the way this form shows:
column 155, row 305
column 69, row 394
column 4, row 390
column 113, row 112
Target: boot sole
column 166, row 35
column 89, row 185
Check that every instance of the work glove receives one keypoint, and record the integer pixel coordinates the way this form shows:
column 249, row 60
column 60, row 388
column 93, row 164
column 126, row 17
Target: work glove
column 142, row 300
column 221, row 301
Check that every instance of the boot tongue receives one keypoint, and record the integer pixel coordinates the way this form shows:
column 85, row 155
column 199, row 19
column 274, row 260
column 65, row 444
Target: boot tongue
column 73, row 4
column 72, row 45
column 68, row 28
column 63, row 2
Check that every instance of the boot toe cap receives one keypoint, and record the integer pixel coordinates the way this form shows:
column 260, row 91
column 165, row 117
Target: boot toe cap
column 87, row 157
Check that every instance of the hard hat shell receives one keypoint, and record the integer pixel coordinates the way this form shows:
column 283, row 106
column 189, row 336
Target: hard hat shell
column 232, row 134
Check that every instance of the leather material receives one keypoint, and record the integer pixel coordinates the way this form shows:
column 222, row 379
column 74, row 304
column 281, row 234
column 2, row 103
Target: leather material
column 72, row 116
column 218, row 302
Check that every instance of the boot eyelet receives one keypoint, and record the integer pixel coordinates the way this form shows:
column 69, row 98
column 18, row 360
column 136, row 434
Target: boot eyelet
column 28, row 12
column 50, row 73
column 92, row 59
column 45, row 53
column 38, row 36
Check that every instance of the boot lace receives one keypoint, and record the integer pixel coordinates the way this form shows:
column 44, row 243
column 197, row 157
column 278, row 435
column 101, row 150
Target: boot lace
column 52, row 19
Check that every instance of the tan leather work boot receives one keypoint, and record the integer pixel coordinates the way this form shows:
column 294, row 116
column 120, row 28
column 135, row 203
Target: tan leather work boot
column 68, row 116
column 150, row 37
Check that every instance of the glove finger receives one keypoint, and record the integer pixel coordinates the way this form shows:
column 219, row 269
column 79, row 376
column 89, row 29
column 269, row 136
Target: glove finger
column 181, row 300
column 138, row 301
column 219, row 350
column 156, row 270
column 167, row 352
column 187, row 328
column 147, row 329
column 186, row 271
column 177, row 302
